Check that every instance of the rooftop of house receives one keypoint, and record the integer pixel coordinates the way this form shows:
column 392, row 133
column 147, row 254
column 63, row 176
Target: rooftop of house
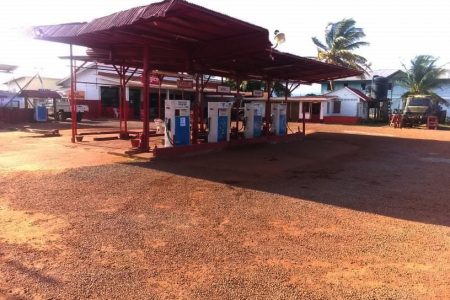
column 28, row 78
column 388, row 73
column 357, row 92
column 6, row 94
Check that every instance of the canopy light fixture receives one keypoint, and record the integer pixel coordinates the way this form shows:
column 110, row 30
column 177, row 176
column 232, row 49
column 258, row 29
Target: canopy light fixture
column 279, row 38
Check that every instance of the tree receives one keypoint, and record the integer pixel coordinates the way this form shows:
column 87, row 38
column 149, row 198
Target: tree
column 422, row 77
column 341, row 39
column 279, row 88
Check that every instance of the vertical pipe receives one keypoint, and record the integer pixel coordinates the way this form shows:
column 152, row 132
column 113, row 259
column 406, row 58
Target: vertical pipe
column 144, row 138
column 268, row 107
column 238, row 104
column 120, row 100
column 286, row 90
column 198, row 99
column 195, row 110
column 125, row 104
column 201, row 100
column 304, row 123
column 159, row 96
column 72, row 98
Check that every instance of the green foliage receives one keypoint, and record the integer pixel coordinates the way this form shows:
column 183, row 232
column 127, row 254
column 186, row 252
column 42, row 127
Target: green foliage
column 341, row 39
column 422, row 77
column 251, row 85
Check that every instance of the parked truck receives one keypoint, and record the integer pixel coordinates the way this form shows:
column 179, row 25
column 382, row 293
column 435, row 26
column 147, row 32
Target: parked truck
column 60, row 110
column 418, row 108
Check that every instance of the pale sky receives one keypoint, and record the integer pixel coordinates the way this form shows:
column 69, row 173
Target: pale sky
column 396, row 30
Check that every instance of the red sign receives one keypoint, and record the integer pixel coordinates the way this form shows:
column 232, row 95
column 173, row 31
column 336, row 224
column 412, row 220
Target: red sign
column 154, row 80
column 185, row 84
column 223, row 89
column 79, row 95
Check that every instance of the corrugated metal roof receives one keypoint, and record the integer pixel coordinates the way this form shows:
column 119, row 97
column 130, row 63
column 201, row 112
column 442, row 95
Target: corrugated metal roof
column 381, row 72
column 184, row 37
column 6, row 94
column 128, row 17
column 40, row 94
column 359, row 93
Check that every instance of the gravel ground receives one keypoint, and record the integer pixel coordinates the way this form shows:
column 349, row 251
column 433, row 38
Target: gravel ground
column 354, row 213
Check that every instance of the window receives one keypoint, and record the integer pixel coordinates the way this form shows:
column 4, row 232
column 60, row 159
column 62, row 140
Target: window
column 345, row 84
column 336, row 107
column 363, row 86
column 328, row 107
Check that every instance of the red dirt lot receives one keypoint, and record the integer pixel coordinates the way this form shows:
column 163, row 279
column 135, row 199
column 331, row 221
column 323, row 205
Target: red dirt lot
column 351, row 212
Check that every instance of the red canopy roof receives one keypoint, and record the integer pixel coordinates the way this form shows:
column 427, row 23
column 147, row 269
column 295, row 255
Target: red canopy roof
column 184, row 37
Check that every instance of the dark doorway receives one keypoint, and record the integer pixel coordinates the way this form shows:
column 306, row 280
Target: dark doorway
column 135, row 102
column 109, row 97
column 293, row 109
column 315, row 112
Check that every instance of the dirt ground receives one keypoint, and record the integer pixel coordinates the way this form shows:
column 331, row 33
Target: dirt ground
column 351, row 212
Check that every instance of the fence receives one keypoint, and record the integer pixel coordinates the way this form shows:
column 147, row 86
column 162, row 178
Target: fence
column 12, row 115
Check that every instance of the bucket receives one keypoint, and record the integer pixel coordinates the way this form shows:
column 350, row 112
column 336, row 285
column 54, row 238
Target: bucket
column 79, row 138
column 135, row 143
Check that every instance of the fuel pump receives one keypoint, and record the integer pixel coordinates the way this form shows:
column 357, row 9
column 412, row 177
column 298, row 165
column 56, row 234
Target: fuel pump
column 219, row 118
column 279, row 118
column 177, row 124
column 253, row 118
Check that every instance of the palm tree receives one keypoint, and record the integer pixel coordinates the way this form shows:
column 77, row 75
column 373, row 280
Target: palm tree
column 422, row 77
column 341, row 39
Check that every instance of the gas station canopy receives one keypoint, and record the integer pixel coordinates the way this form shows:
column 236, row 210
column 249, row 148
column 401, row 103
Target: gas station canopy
column 183, row 37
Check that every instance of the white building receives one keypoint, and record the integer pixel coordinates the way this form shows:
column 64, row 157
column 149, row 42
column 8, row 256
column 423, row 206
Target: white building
column 313, row 107
column 98, row 87
column 348, row 106
column 395, row 90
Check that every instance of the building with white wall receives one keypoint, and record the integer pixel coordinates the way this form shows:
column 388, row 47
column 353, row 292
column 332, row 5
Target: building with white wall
column 395, row 91
column 313, row 107
column 347, row 106
column 98, row 87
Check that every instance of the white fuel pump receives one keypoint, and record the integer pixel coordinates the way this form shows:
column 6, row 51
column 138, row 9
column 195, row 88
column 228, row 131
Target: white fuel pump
column 279, row 118
column 219, row 118
column 177, row 124
column 253, row 114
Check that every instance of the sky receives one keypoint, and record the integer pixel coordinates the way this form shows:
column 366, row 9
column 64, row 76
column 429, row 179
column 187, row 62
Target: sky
column 396, row 30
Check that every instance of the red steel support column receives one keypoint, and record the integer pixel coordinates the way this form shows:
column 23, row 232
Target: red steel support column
column 286, row 90
column 268, row 107
column 303, row 122
column 125, row 103
column 73, row 105
column 161, row 78
column 202, row 125
column 144, row 145
column 195, row 110
column 120, row 100
column 238, row 105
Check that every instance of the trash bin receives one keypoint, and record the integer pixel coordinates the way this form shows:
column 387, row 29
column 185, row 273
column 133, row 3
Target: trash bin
column 40, row 113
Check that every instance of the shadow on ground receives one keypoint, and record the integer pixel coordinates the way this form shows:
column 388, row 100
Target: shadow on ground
column 400, row 178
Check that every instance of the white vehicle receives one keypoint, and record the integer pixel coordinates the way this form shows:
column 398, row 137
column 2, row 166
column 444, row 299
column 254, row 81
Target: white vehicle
column 59, row 109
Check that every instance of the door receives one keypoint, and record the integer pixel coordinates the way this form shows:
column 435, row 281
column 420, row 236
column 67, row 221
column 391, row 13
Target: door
column 315, row 112
column 293, row 113
column 134, row 103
